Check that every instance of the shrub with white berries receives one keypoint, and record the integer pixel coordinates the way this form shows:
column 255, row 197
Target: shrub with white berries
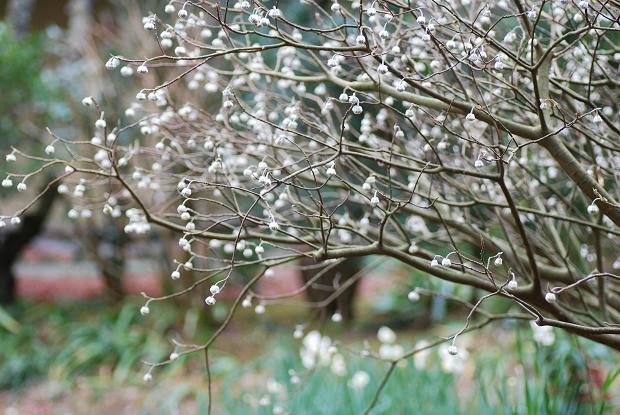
column 370, row 129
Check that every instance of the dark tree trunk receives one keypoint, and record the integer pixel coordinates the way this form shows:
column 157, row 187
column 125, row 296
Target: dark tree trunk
column 7, row 283
column 327, row 284
column 14, row 240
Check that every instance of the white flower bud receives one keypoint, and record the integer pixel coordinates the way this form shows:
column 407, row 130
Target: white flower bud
column 88, row 101
column 21, row 187
column 126, row 71
column 550, row 297
column 144, row 310
column 112, row 63
column 210, row 300
column 413, row 296
column 512, row 284
column 149, row 25
column 100, row 123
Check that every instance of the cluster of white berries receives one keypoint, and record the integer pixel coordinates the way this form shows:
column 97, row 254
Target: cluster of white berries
column 445, row 261
column 214, row 290
column 138, row 223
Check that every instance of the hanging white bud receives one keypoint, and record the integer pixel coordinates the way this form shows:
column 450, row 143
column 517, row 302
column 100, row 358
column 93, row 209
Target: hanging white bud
column 446, row 262
column 126, row 71
column 210, row 300
column 100, row 123
column 21, row 187
column 149, row 25
column 413, row 296
column 215, row 289
column 175, row 275
column 512, row 284
column 453, row 350
column 7, row 182
column 144, row 310
column 112, row 63
column 88, row 101
column 274, row 12
column 550, row 297
column 374, row 201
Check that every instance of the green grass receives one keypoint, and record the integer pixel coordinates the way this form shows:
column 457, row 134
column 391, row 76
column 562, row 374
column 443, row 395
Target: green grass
column 505, row 374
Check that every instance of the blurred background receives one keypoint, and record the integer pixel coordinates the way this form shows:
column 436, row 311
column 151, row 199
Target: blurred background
column 71, row 335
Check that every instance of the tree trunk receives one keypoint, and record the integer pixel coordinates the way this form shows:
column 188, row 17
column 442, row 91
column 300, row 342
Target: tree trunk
column 321, row 289
column 14, row 240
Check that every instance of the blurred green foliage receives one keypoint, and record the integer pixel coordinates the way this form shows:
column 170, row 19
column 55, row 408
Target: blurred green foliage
column 62, row 343
column 66, row 340
column 542, row 381
column 30, row 100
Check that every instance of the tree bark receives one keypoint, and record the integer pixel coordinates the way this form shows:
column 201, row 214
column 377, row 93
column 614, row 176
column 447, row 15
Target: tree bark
column 15, row 240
